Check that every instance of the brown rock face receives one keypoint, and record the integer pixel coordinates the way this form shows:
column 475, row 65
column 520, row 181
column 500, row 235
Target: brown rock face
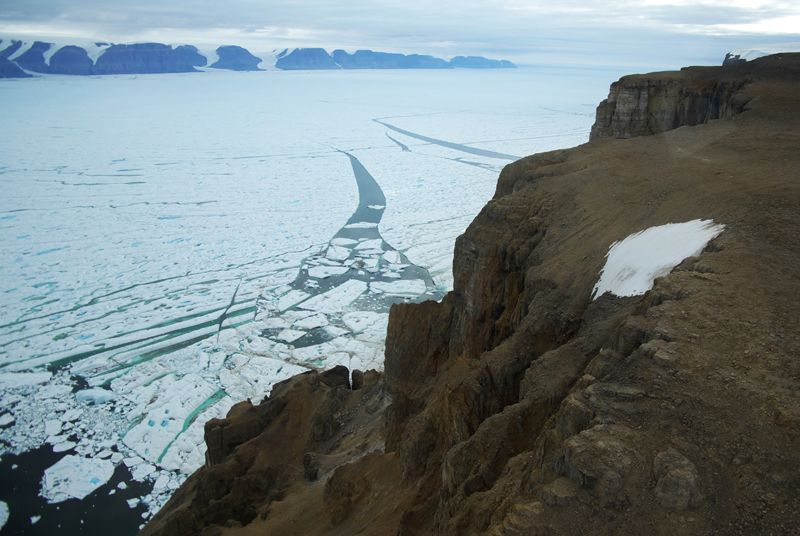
column 518, row 405
column 640, row 105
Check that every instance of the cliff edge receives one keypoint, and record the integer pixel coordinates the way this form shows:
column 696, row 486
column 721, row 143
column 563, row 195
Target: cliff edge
column 520, row 405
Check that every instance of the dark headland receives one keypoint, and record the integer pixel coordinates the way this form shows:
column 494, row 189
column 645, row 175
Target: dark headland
column 518, row 405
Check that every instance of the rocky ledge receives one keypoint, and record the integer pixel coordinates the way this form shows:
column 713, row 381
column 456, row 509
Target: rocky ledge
column 519, row 405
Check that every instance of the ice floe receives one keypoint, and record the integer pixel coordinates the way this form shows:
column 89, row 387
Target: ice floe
column 634, row 263
column 337, row 298
column 75, row 477
column 4, row 514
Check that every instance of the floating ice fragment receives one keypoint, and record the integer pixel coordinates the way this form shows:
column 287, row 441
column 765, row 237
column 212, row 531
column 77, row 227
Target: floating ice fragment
column 405, row 287
column 74, row 477
column 291, row 298
column 361, row 225
column 633, row 263
column 35, row 519
column 337, row 298
column 337, row 253
column 343, row 242
column 95, row 395
column 289, row 335
column 321, row 272
column 3, row 514
column 392, row 257
column 52, row 427
column 64, row 446
column 377, row 207
column 311, row 322
column 6, row 419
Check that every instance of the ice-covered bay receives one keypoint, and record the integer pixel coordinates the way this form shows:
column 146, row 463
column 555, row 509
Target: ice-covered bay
column 173, row 244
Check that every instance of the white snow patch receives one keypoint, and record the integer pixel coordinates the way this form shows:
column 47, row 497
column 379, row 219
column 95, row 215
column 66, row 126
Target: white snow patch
column 633, row 264
column 74, row 477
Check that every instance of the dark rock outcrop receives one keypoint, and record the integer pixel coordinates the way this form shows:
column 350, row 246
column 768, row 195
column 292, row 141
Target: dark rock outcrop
column 147, row 58
column 33, row 58
column 479, row 62
column 368, row 59
column 520, row 405
column 305, row 58
column 732, row 59
column 71, row 60
column 234, row 58
column 9, row 69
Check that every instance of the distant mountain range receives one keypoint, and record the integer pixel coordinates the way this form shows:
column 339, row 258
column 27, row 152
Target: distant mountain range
column 19, row 59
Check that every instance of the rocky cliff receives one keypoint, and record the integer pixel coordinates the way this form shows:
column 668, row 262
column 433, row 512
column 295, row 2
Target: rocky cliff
column 519, row 405
column 639, row 105
column 236, row 58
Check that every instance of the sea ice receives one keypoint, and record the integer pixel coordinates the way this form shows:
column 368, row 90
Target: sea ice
column 405, row 287
column 337, row 298
column 360, row 225
column 311, row 322
column 10, row 380
column 321, row 272
column 74, row 477
column 290, row 299
column 337, row 253
column 95, row 395
column 633, row 263
column 6, row 419
column 392, row 257
column 3, row 514
column 289, row 335
column 52, row 427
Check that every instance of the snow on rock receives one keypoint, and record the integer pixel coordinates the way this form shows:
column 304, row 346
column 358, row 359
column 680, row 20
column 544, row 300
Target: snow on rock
column 75, row 477
column 633, row 264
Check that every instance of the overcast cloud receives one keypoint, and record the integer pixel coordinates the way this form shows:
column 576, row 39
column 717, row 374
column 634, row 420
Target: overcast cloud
column 645, row 32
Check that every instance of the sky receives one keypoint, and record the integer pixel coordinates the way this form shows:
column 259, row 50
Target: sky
column 667, row 33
